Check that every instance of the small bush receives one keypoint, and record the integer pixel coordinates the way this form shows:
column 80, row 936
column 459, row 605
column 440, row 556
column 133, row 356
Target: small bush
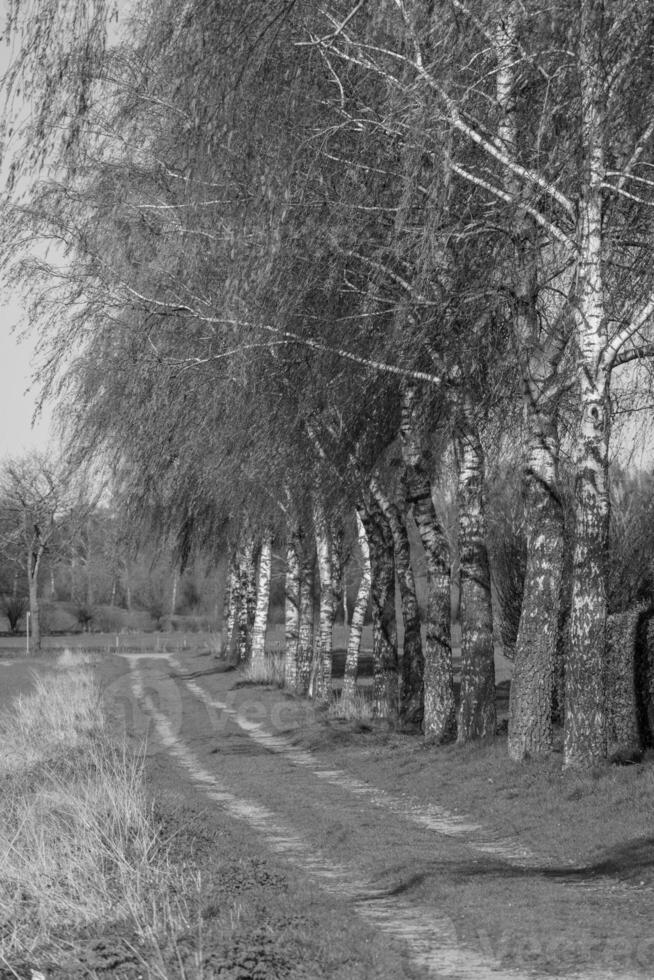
column 58, row 617
column 85, row 616
column 110, row 619
column 14, row 608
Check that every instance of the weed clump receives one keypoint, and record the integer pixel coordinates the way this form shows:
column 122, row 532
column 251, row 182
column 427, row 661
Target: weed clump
column 270, row 670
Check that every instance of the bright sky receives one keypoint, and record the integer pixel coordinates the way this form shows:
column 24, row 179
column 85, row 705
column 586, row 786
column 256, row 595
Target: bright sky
column 17, row 402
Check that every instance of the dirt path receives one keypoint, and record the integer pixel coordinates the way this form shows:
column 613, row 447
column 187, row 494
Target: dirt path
column 452, row 897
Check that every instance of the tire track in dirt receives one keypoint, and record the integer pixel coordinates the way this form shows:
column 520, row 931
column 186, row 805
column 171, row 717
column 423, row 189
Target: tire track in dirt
column 429, row 934
column 433, row 817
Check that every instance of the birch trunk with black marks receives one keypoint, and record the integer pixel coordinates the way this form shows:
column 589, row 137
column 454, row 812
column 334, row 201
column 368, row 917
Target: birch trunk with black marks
column 384, row 630
column 585, row 717
column 257, row 653
column 358, row 617
column 247, row 593
column 305, row 646
column 411, row 704
column 327, row 613
column 439, row 711
column 230, row 603
column 477, row 714
column 532, row 685
column 539, row 354
column 292, row 604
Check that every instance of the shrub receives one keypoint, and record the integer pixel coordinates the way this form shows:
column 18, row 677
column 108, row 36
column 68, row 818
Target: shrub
column 85, row 616
column 110, row 619
column 14, row 609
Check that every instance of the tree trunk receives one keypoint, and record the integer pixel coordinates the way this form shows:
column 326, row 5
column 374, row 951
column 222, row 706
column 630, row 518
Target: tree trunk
column 230, row 604
column 532, row 685
column 35, row 623
column 257, row 651
column 585, row 716
column 326, row 573
column 34, row 555
column 626, row 733
column 439, row 714
column 539, row 352
column 306, row 625
column 173, row 593
column 384, row 632
column 293, row 579
column 246, row 594
column 477, row 715
column 411, row 707
column 358, row 617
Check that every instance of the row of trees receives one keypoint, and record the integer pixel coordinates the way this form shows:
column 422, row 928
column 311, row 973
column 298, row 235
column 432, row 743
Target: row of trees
column 317, row 261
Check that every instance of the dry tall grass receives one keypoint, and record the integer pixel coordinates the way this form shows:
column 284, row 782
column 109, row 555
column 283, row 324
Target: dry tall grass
column 78, row 842
column 271, row 671
column 359, row 707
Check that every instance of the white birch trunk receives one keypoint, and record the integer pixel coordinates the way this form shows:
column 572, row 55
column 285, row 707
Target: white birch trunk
column 305, row 647
column 327, row 614
column 530, row 708
column 292, row 605
column 358, row 616
column 230, row 604
column 257, row 653
column 585, row 733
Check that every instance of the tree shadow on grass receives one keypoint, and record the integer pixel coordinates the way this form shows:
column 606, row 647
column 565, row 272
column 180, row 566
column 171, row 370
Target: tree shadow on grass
column 631, row 862
column 222, row 667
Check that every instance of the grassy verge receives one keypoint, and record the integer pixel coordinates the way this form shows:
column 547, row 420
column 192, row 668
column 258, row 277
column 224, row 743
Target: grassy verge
column 78, row 841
